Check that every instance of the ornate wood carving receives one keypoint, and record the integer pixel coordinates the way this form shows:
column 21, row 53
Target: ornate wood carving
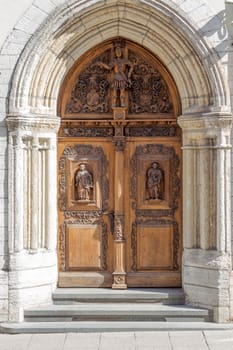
column 87, row 131
column 79, row 153
column 121, row 76
column 149, row 93
column 154, row 181
column 159, row 222
column 83, row 217
column 62, row 247
column 91, row 91
column 156, row 150
column 151, row 131
column 119, row 228
column 83, row 181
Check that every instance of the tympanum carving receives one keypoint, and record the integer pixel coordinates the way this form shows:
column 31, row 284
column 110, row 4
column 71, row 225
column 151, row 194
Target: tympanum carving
column 90, row 93
column 149, row 93
column 120, row 77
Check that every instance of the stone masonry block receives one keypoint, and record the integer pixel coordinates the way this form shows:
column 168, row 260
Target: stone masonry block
column 190, row 5
column 3, row 216
column 205, row 277
column 8, row 61
column 32, row 278
column 12, row 48
column 26, row 260
column 31, row 296
column 46, row 6
column 31, row 20
column 4, row 88
column 206, row 297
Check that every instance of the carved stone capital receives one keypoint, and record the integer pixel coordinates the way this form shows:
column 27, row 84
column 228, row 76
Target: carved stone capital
column 205, row 121
column 29, row 123
column 207, row 129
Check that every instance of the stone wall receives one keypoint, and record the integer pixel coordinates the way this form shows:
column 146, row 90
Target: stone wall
column 194, row 42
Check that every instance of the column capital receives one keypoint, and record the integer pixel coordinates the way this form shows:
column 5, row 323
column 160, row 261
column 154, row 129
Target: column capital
column 38, row 123
column 205, row 121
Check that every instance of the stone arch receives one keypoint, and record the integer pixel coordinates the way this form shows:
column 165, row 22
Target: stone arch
column 76, row 28
column 70, row 30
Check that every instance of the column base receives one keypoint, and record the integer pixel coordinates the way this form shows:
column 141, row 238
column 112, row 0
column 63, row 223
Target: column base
column 119, row 280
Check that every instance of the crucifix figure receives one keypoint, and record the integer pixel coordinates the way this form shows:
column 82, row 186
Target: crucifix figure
column 122, row 69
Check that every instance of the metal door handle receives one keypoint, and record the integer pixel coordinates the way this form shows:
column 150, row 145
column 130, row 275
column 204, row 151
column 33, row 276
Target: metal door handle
column 111, row 216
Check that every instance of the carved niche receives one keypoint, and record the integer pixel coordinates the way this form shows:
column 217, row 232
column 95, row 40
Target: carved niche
column 142, row 178
column 82, row 168
column 121, row 76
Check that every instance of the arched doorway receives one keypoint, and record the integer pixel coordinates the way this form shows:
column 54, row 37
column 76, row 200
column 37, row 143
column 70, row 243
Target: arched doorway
column 119, row 171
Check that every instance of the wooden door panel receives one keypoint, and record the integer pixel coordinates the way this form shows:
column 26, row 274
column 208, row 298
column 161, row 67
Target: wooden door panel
column 86, row 247
column 154, row 247
column 85, row 204
column 153, row 233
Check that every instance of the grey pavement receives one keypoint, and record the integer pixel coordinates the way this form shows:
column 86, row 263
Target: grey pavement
column 160, row 340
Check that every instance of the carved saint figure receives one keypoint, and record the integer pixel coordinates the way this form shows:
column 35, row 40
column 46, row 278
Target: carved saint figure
column 154, row 181
column 83, row 182
column 121, row 77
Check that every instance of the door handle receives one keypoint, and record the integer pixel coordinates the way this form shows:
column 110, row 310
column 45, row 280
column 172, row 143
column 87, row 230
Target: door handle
column 111, row 216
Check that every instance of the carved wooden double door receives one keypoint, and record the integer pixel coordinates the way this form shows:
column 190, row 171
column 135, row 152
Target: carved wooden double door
column 119, row 172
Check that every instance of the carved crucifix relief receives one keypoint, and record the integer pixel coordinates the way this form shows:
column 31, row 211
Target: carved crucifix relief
column 122, row 69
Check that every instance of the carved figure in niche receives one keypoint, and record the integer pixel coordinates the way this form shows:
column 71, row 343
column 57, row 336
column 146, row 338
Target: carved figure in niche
column 154, row 181
column 83, row 183
column 121, row 79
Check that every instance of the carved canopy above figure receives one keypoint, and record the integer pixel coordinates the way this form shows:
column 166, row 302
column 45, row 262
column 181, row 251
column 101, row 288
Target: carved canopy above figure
column 118, row 74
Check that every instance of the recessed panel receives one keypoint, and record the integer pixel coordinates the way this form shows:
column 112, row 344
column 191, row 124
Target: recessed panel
column 154, row 247
column 83, row 247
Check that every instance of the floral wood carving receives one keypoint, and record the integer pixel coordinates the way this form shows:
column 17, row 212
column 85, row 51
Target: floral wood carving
column 91, row 91
column 87, row 132
column 149, row 93
column 151, row 131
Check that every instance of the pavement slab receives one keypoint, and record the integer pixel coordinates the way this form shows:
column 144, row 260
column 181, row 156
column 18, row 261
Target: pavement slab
column 159, row 340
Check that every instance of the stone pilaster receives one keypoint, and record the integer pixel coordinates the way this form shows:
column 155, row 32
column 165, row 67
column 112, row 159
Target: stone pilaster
column 32, row 211
column 206, row 211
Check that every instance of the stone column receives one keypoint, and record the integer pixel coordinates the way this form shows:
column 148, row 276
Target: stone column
column 206, row 212
column 32, row 208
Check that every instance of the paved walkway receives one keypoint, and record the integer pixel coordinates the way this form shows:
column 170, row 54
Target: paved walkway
column 195, row 340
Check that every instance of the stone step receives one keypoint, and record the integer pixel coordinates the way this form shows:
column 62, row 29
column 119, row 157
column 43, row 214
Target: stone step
column 84, row 327
column 116, row 312
column 173, row 296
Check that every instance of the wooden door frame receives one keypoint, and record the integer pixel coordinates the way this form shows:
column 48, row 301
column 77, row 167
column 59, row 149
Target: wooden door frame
column 161, row 122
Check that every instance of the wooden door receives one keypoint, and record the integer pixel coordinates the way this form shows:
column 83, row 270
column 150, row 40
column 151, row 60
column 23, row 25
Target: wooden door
column 86, row 212
column 119, row 164
column 153, row 209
